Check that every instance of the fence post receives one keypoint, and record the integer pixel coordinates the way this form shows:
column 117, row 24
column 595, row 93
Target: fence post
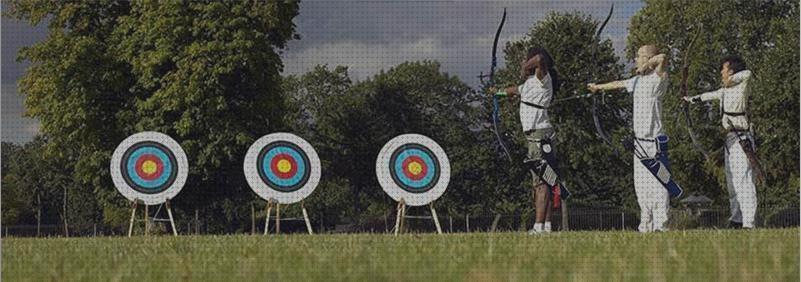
column 252, row 219
column 623, row 220
column 495, row 222
column 467, row 221
column 450, row 224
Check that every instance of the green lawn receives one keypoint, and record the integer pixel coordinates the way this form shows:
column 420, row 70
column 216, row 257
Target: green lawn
column 758, row 255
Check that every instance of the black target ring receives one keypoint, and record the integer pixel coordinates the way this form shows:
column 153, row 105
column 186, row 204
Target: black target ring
column 170, row 161
column 428, row 156
column 296, row 151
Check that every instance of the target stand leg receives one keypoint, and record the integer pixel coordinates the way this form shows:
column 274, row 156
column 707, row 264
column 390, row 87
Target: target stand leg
column 436, row 219
column 172, row 221
column 133, row 216
column 399, row 218
column 306, row 218
column 147, row 221
column 269, row 208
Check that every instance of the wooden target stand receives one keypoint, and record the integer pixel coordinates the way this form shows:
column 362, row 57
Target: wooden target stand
column 270, row 204
column 147, row 218
column 401, row 217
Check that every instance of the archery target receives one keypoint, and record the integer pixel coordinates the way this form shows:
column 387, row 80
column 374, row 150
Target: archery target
column 150, row 167
column 413, row 168
column 282, row 167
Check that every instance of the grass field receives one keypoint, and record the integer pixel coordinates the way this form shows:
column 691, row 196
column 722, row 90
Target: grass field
column 758, row 255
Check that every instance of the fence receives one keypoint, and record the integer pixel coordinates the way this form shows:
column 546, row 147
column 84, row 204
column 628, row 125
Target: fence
column 578, row 219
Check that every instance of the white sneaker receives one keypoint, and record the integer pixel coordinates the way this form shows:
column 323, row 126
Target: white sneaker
column 547, row 227
column 536, row 230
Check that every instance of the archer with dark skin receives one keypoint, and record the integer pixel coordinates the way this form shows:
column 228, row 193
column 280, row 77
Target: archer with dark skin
column 536, row 94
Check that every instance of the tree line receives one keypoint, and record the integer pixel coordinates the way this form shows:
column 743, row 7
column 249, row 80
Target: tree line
column 209, row 75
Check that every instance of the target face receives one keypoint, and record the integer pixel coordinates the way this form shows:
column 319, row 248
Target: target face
column 282, row 167
column 150, row 167
column 413, row 168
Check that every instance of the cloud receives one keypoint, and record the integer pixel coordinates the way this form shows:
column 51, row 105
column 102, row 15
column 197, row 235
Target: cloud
column 371, row 36
column 366, row 36
column 15, row 127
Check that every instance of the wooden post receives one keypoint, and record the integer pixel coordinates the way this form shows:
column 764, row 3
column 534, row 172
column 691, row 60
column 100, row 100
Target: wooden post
column 565, row 226
column 268, row 207
column 403, row 216
column 133, row 215
column 386, row 222
column 398, row 217
column 147, row 221
column 450, row 224
column 66, row 229
column 172, row 221
column 467, row 222
column 252, row 219
column 306, row 218
column 38, row 214
column 495, row 222
column 277, row 218
column 197, row 222
column 436, row 219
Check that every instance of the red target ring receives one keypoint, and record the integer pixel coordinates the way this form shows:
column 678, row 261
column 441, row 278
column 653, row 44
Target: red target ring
column 414, row 168
column 279, row 163
column 144, row 170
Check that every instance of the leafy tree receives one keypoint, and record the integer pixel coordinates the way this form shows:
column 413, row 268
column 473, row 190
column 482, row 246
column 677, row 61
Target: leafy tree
column 205, row 73
column 765, row 34
column 591, row 168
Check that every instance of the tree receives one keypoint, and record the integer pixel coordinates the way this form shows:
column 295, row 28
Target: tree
column 765, row 34
column 590, row 167
column 205, row 73
column 349, row 124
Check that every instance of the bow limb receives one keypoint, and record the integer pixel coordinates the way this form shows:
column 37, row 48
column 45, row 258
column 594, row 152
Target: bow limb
column 685, row 70
column 495, row 104
column 595, row 118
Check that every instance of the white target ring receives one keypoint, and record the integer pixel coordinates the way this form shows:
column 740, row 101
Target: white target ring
column 413, row 168
column 282, row 167
column 150, row 167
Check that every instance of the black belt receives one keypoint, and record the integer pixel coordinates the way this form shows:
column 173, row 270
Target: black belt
column 533, row 105
column 646, row 139
column 733, row 114
column 735, row 130
column 527, row 132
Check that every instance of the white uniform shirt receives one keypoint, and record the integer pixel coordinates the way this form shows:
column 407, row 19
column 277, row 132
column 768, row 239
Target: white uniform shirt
column 538, row 92
column 734, row 99
column 648, row 90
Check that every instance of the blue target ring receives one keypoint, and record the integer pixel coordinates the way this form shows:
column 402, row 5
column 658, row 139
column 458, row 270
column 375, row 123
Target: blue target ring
column 149, row 167
column 414, row 168
column 283, row 166
column 408, row 181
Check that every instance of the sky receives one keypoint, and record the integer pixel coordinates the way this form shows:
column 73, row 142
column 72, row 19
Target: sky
column 366, row 36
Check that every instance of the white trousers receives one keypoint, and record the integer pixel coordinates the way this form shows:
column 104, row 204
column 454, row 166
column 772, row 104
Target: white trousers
column 740, row 183
column 651, row 195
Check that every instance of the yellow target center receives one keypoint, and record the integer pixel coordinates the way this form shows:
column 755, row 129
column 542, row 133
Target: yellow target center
column 415, row 168
column 284, row 166
column 149, row 167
